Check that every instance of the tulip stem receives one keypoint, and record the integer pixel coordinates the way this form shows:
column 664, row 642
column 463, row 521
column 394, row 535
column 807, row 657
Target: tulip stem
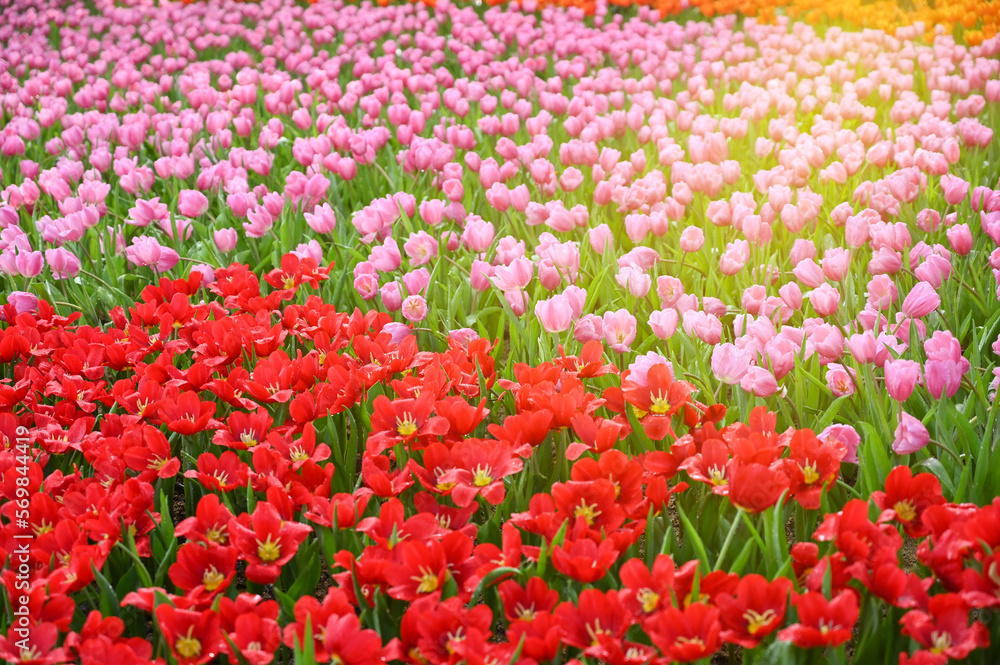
column 729, row 539
column 948, row 450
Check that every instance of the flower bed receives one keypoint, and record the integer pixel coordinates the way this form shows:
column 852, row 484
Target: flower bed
column 347, row 333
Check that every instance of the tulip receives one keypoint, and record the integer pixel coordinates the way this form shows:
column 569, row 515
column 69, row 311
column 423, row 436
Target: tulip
column 664, row 323
column 600, row 238
column 955, row 189
column 910, row 435
column 730, row 364
column 825, row 300
column 555, row 314
column 414, row 308
column 692, row 239
column 760, row 382
column 191, row 203
column 901, row 376
column 322, row 219
column 619, row 330
column 588, row 328
column 921, row 301
column 960, row 239
column 225, row 240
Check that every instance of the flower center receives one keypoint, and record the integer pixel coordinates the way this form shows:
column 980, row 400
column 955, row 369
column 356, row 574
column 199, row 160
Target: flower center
column 248, row 440
column 406, row 426
column 940, row 641
column 588, row 512
column 660, row 404
column 649, row 600
column 717, row 476
column 481, row 476
column 188, row 646
column 525, row 613
column 212, row 579
column 757, row 621
column 905, row 510
column 269, row 551
column 427, row 581
column 809, row 473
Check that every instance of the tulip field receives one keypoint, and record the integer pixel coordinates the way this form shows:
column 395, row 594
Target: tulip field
column 492, row 333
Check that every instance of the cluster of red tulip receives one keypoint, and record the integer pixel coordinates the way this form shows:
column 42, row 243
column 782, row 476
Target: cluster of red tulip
column 202, row 453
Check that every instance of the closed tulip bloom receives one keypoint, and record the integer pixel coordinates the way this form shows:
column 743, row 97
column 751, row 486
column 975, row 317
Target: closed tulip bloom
column 225, row 239
column 885, row 261
column 146, row 251
column 702, row 325
column 836, row 263
column 791, row 296
column 863, row 347
column 760, row 382
column 729, row 363
column 414, row 308
column 571, row 179
column 478, row 234
column 588, row 328
column 635, row 281
column 960, row 239
column 555, row 314
column 942, row 377
column 480, row 275
column 619, row 330
column 955, row 189
column 901, row 377
column 520, row 197
column 856, row 231
column 432, row 211
column 62, row 262
column 322, row 219
column 910, row 435
column 692, row 239
column 392, row 298
column 191, row 203
column 825, row 300
column 600, row 238
column 844, row 434
column 882, row 292
column 921, row 301
column 802, row 249
column 664, row 323
column 809, row 273
column 30, row 264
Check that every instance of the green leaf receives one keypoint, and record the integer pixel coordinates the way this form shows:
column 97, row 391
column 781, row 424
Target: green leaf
column 691, row 533
column 108, row 603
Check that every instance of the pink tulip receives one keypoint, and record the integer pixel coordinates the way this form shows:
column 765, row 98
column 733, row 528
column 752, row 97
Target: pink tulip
column 63, row 263
column 845, row 435
column 191, row 203
column 825, row 300
column 955, row 189
column 692, row 239
column 910, row 435
column 730, row 364
column 555, row 314
column 146, row 251
column 600, row 238
column 588, row 328
column 225, row 240
column 960, row 239
column 901, row 376
column 392, row 298
column 664, row 323
column 619, row 330
column 758, row 381
column 836, row 263
column 414, row 308
column 322, row 219
column 478, row 234
column 921, row 301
